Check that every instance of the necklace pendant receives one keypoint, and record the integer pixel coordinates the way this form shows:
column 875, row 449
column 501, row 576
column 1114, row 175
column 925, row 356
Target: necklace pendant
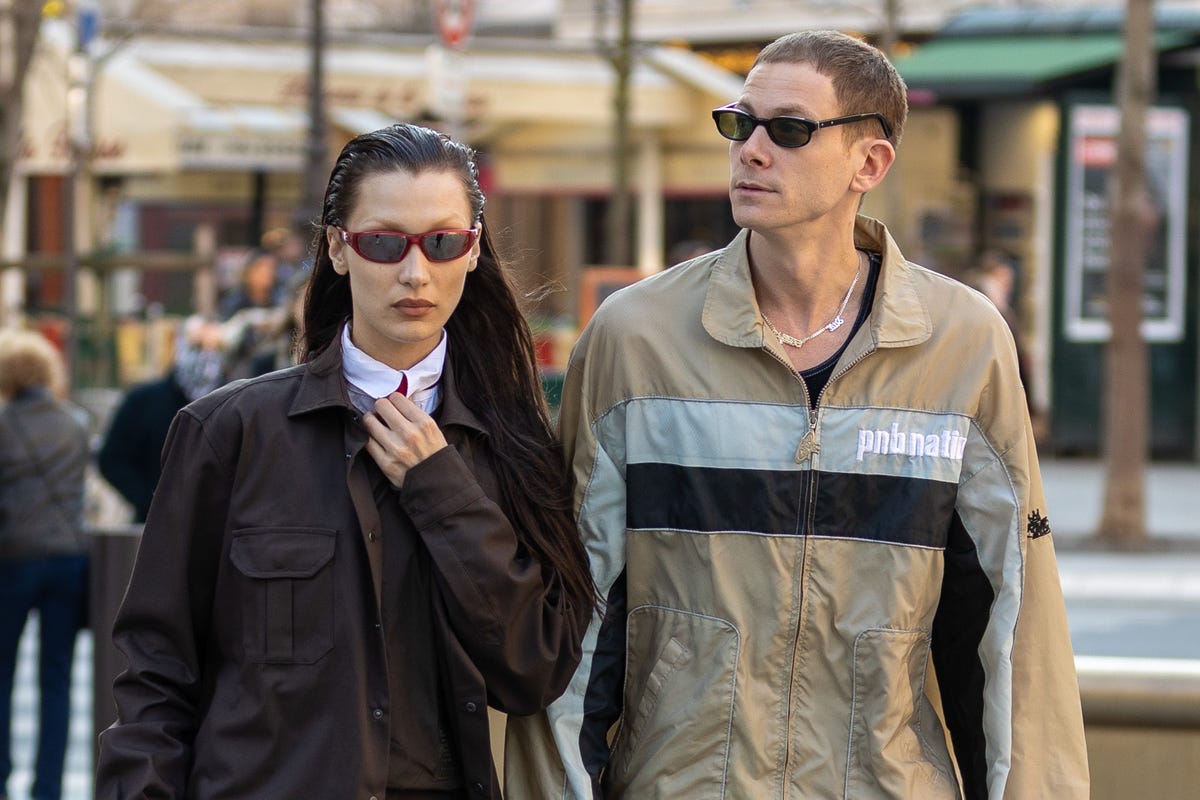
column 835, row 323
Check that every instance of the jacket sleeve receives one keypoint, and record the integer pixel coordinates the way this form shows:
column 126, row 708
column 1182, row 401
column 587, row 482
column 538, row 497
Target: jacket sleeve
column 509, row 613
column 562, row 752
column 161, row 631
column 1001, row 647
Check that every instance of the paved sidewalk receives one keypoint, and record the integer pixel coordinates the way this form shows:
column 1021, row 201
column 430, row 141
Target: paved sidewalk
column 1075, row 498
column 1168, row 571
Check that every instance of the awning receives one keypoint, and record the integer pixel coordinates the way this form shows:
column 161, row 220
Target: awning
column 167, row 105
column 242, row 137
column 360, row 120
column 989, row 66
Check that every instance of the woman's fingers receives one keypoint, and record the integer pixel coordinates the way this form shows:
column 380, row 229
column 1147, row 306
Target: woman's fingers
column 401, row 435
column 392, row 468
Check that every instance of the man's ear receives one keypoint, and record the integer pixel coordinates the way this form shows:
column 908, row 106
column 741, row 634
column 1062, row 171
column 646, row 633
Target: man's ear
column 877, row 156
column 337, row 249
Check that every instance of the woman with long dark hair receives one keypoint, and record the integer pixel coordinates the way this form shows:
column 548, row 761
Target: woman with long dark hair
column 348, row 560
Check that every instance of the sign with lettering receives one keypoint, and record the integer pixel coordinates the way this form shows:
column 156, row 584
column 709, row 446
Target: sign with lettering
column 1091, row 163
column 53, row 150
column 240, row 150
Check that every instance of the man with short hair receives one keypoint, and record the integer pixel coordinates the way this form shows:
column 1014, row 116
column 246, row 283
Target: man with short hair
column 808, row 484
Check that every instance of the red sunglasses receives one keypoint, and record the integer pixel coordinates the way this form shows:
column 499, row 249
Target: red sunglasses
column 390, row 247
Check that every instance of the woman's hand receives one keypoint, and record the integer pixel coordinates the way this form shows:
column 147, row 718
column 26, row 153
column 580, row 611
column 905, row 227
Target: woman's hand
column 401, row 436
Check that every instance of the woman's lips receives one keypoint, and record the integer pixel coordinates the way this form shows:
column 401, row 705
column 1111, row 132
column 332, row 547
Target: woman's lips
column 413, row 308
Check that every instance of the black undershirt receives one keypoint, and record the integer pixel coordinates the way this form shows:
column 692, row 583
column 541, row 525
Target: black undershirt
column 816, row 377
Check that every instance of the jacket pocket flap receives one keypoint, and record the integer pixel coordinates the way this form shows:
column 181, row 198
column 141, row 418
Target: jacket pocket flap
column 281, row 552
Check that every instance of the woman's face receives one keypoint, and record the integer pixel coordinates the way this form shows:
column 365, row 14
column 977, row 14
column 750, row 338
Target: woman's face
column 400, row 309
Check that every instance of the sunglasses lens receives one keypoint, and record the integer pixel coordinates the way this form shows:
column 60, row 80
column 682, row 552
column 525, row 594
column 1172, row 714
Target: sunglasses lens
column 733, row 125
column 385, row 248
column 789, row 132
column 784, row 131
column 446, row 245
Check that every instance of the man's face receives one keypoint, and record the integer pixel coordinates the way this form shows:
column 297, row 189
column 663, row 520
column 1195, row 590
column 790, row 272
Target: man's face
column 773, row 187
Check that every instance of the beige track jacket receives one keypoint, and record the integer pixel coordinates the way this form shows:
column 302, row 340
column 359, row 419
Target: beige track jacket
column 784, row 585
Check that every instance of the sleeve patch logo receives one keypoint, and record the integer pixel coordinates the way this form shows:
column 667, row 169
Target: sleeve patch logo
column 1038, row 526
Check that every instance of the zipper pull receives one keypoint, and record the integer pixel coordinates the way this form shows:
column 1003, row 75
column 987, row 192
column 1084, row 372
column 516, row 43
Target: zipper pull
column 809, row 446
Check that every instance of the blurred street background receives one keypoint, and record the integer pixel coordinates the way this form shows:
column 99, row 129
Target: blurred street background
column 161, row 162
column 1122, row 604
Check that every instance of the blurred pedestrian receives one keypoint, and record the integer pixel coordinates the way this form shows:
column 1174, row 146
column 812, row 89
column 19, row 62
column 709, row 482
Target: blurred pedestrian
column 347, row 561
column 256, row 287
column 130, row 458
column 43, row 550
column 291, row 255
column 996, row 276
column 279, row 348
column 252, row 310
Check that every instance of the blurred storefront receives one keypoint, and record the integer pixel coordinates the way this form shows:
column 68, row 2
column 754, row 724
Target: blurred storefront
column 1032, row 91
column 198, row 141
column 198, row 144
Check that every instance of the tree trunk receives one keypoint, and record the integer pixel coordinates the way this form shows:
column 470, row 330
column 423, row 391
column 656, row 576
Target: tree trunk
column 619, row 231
column 1126, row 413
column 23, row 20
column 315, row 157
column 889, row 37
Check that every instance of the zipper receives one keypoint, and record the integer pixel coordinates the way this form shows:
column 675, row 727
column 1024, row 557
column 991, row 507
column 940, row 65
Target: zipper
column 809, row 446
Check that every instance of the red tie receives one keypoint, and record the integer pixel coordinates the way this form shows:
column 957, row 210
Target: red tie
column 403, row 387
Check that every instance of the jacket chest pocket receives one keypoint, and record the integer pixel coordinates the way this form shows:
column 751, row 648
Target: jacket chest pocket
column 287, row 593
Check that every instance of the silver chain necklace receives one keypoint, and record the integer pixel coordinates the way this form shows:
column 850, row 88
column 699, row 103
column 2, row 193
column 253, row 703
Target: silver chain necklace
column 833, row 324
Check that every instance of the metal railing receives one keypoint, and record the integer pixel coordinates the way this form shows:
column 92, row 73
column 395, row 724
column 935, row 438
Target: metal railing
column 1140, row 692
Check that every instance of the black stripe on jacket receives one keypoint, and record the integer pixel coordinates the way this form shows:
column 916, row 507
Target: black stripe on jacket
column 879, row 508
column 606, row 682
column 958, row 627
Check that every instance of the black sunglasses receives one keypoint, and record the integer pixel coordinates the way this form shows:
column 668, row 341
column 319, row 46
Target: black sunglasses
column 735, row 124
column 390, row 247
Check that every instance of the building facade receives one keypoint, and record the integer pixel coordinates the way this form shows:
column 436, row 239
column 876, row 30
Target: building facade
column 198, row 139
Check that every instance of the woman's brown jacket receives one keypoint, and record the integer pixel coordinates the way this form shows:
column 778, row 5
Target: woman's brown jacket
column 257, row 666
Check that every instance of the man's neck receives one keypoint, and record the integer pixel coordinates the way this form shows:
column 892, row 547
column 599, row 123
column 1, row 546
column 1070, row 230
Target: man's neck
column 804, row 282
column 802, row 277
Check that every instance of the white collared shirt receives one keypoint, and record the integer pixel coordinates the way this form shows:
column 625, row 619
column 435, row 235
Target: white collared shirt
column 377, row 379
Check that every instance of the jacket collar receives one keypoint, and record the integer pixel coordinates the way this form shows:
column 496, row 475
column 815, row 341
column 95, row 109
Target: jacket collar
column 452, row 410
column 898, row 319
column 321, row 382
column 322, row 385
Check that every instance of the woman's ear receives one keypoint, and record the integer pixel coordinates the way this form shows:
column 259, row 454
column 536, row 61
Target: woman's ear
column 337, row 249
column 475, row 250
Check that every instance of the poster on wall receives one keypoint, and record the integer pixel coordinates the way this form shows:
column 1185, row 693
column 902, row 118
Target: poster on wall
column 1090, row 171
